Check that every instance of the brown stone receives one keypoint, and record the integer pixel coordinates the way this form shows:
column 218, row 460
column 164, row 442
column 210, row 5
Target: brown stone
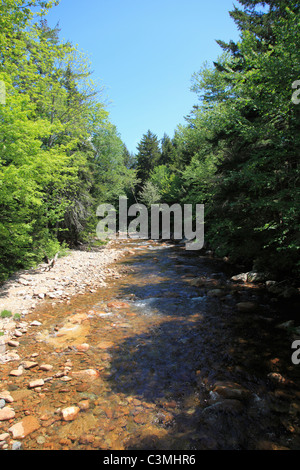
column 105, row 344
column 21, row 394
column 246, row 306
column 117, row 304
column 83, row 347
column 86, row 439
column 25, row 427
column 87, row 374
column 84, row 405
column 141, row 418
column 231, row 390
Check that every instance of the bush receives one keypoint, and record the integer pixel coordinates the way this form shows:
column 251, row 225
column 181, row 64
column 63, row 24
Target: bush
column 5, row 314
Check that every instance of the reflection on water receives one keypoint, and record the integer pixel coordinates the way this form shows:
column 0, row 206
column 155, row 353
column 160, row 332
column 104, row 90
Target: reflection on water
column 175, row 366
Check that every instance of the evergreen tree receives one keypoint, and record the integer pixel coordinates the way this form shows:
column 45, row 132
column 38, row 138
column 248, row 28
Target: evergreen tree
column 167, row 151
column 148, row 156
column 245, row 140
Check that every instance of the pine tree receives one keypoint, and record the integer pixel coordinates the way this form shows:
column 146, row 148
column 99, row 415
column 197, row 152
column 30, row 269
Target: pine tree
column 167, row 150
column 148, row 156
column 248, row 128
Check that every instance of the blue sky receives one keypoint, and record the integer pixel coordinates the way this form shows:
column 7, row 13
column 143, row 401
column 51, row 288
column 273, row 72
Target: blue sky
column 144, row 53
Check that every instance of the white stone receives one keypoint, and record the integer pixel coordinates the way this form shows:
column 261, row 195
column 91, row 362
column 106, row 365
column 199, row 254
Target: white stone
column 35, row 323
column 6, row 413
column 70, row 413
column 36, row 383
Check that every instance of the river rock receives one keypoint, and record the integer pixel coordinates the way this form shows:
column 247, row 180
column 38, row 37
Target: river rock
column 17, row 372
column 36, row 383
column 8, row 357
column 240, row 277
column 84, row 405
column 29, row 364
column 13, row 344
column 5, row 395
column 198, row 282
column 46, row 367
column 229, row 406
column 117, row 304
column 276, row 377
column 246, row 306
column 105, row 345
column 70, row 413
column 35, row 323
column 25, row 427
column 78, row 318
column 216, row 293
column 6, row 413
column 83, row 347
column 88, row 374
column 16, row 445
column 231, row 390
column 253, row 276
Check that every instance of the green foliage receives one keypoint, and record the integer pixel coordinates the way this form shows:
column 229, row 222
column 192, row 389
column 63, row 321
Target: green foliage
column 59, row 154
column 167, row 182
column 239, row 152
column 150, row 194
column 148, row 156
column 5, row 314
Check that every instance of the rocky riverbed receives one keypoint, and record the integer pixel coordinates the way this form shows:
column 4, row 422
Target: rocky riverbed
column 145, row 346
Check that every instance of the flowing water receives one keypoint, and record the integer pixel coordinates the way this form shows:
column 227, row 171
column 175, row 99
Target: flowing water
column 168, row 365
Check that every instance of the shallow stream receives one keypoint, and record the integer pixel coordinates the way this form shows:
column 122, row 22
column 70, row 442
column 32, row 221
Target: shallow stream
column 155, row 362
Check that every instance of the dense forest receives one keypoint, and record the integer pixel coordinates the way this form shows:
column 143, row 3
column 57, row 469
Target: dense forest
column 61, row 156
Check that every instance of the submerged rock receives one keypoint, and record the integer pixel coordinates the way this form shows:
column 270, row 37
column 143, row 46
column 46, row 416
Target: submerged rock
column 231, row 390
column 246, row 306
column 25, row 427
column 216, row 293
column 70, row 413
column 251, row 276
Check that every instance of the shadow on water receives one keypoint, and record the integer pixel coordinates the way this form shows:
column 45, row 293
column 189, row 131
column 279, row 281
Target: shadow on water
column 196, row 342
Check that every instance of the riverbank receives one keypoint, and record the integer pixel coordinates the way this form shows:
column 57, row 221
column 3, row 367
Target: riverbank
column 77, row 273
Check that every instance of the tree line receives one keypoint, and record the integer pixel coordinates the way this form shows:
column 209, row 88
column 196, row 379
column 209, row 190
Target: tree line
column 60, row 155
column 237, row 153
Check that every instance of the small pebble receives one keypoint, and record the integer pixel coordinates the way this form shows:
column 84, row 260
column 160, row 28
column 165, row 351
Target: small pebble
column 13, row 344
column 46, row 367
column 17, row 445
column 35, row 323
column 36, row 383
column 40, row 440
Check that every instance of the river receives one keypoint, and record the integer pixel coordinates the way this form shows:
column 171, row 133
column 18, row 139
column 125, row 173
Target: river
column 154, row 361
